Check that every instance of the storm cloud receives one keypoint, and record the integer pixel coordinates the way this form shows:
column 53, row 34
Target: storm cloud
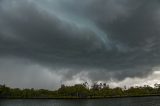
column 95, row 40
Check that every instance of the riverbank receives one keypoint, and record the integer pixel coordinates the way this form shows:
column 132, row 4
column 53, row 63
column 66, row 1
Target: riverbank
column 78, row 92
column 99, row 97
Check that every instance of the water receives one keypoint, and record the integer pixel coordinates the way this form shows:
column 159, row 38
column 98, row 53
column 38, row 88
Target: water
column 141, row 101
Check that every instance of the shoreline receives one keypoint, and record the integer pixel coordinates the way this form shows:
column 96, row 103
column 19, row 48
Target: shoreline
column 76, row 98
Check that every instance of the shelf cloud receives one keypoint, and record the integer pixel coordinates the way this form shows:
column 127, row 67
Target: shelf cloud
column 60, row 40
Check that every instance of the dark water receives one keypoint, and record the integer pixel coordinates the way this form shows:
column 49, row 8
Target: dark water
column 141, row 101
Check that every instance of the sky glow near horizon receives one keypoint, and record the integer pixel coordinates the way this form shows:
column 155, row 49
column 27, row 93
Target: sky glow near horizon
column 46, row 42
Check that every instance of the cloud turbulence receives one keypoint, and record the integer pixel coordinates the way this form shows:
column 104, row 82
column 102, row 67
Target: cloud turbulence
column 43, row 42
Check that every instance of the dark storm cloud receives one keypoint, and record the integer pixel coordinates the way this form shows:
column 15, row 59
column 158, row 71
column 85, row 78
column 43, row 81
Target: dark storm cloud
column 107, row 38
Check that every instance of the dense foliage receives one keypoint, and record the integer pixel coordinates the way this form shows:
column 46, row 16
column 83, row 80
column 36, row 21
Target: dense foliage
column 79, row 91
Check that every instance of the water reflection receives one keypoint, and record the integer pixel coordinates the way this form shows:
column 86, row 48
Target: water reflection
column 143, row 101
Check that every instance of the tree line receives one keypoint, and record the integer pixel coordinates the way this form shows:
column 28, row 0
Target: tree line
column 80, row 91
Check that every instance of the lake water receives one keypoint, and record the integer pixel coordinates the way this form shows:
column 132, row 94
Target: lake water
column 137, row 101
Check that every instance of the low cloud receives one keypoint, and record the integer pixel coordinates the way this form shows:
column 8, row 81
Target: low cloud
column 59, row 40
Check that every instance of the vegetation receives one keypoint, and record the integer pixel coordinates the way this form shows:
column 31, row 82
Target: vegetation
column 80, row 91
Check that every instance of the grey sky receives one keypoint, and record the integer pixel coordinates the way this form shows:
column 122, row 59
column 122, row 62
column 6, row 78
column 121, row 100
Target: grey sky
column 45, row 41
